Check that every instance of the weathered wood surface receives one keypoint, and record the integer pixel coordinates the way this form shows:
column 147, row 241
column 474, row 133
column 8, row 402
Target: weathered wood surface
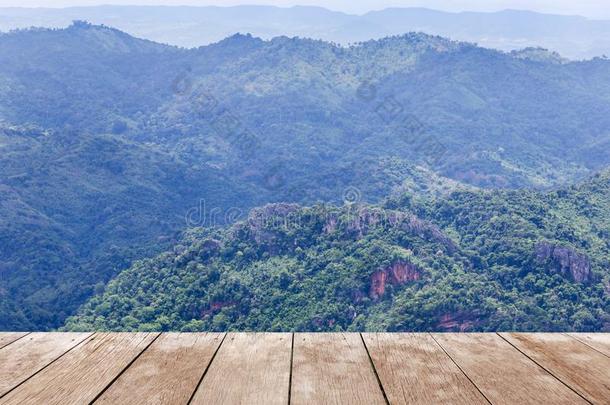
column 333, row 368
column 414, row 369
column 248, row 369
column 7, row 338
column 32, row 353
column 82, row 373
column 502, row 373
column 167, row 373
column 599, row 341
column 579, row 366
column 304, row 368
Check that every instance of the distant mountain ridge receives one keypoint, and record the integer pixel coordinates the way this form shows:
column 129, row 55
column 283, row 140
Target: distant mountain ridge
column 572, row 36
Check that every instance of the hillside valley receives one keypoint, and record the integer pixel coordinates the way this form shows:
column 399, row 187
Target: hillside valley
column 115, row 149
column 471, row 261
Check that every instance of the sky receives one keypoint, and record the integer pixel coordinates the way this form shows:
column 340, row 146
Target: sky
column 588, row 8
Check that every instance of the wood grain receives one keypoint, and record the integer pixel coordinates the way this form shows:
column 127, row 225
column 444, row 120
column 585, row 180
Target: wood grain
column 82, row 373
column 333, row 368
column 598, row 341
column 248, row 369
column 30, row 354
column 6, row 338
column 167, row 373
column 582, row 368
column 502, row 373
column 414, row 369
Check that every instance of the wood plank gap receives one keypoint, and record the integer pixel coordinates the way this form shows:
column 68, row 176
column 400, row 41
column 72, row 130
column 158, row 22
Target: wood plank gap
column 13, row 341
column 385, row 397
column 43, row 368
column 290, row 375
column 586, row 344
column 124, row 369
column 459, row 368
column 544, row 368
column 250, row 368
column 333, row 368
column 206, row 369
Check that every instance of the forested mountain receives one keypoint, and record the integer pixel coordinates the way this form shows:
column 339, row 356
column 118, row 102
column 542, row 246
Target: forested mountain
column 573, row 36
column 474, row 260
column 112, row 145
column 76, row 207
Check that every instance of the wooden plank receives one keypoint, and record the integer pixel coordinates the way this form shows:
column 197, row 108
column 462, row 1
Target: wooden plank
column 582, row 368
column 502, row 373
column 248, row 369
column 333, row 368
column 82, row 373
column 598, row 341
column 414, row 369
column 28, row 355
column 167, row 372
column 6, row 338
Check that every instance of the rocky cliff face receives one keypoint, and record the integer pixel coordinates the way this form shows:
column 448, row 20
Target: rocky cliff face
column 565, row 261
column 268, row 225
column 361, row 220
column 397, row 274
column 457, row 322
column 274, row 225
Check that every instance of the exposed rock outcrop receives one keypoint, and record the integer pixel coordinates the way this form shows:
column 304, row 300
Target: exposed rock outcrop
column 331, row 225
column 361, row 219
column 264, row 224
column 565, row 261
column 398, row 273
column 456, row 322
column 216, row 307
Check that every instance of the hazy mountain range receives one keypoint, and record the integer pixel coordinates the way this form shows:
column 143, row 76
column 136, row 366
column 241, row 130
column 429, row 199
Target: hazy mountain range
column 111, row 146
column 572, row 36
